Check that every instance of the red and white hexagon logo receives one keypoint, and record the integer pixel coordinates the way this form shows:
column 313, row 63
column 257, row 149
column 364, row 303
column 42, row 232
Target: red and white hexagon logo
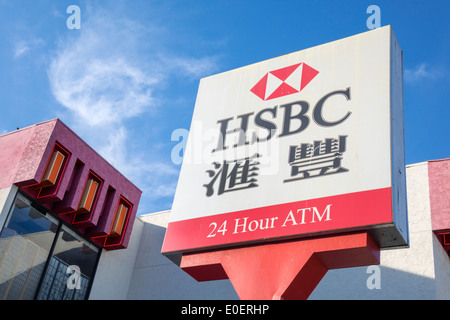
column 284, row 81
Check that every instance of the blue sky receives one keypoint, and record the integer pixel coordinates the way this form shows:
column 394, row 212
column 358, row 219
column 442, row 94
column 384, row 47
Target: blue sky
column 129, row 76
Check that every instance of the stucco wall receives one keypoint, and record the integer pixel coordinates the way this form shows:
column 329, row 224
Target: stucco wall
column 7, row 196
column 156, row 277
column 406, row 273
column 115, row 269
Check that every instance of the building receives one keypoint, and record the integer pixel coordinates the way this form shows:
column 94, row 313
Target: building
column 62, row 205
column 69, row 230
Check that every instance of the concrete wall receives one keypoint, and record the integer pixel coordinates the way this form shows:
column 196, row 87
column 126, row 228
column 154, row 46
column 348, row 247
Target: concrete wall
column 7, row 196
column 441, row 271
column 421, row 271
column 141, row 272
column 156, row 277
column 406, row 273
column 115, row 269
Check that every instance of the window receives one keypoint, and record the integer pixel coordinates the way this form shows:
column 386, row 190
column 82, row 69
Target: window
column 70, row 269
column 119, row 218
column 88, row 196
column 53, row 171
column 53, row 168
column 42, row 258
column 446, row 237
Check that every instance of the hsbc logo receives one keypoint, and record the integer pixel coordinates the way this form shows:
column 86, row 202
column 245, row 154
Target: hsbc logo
column 285, row 81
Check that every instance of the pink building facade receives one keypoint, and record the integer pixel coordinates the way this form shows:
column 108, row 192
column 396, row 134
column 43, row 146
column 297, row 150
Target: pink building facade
column 63, row 205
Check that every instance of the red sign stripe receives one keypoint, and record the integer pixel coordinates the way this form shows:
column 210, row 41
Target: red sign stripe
column 359, row 210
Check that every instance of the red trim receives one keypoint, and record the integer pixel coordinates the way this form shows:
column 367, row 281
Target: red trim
column 105, row 245
column 66, row 161
column 104, row 242
column 95, row 201
column 60, row 175
column 353, row 211
column 446, row 238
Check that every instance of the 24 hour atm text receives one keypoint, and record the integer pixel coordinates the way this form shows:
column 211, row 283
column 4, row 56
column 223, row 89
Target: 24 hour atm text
column 292, row 218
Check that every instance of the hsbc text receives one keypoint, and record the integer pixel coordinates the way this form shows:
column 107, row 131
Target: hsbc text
column 295, row 120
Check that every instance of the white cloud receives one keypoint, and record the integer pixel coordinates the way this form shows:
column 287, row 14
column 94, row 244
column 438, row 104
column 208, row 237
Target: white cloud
column 99, row 81
column 190, row 67
column 100, row 92
column 21, row 47
column 105, row 76
column 109, row 72
column 422, row 72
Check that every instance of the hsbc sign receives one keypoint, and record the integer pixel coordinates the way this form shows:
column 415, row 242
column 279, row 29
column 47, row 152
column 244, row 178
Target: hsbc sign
column 309, row 143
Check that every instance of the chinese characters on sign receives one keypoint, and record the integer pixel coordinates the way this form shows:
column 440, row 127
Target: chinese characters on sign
column 307, row 160
column 317, row 159
column 233, row 175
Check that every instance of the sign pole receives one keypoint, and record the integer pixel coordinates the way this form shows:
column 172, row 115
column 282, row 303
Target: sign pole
column 288, row 270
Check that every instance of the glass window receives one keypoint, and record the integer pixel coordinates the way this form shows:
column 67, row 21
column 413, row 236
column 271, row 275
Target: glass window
column 70, row 270
column 42, row 258
column 25, row 243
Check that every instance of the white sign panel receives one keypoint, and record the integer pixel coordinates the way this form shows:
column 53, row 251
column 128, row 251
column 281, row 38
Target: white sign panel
column 304, row 144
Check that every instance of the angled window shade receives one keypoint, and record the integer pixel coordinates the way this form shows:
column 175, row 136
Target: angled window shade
column 53, row 169
column 119, row 218
column 88, row 196
column 446, row 237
